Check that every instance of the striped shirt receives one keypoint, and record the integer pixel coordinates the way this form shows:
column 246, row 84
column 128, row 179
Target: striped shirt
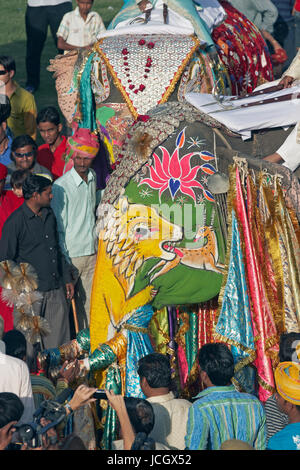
column 275, row 419
column 222, row 413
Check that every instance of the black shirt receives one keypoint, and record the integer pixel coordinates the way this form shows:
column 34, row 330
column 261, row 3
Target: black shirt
column 30, row 238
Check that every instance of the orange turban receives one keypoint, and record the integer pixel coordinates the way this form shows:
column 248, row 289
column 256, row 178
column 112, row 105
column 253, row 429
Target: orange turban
column 287, row 379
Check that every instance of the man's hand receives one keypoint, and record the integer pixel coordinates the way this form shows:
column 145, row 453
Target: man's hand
column 82, row 396
column 144, row 5
column 69, row 370
column 70, row 290
column 6, row 434
column 286, row 81
column 116, row 401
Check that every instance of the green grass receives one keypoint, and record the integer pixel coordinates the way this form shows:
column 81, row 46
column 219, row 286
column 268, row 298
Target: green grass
column 13, row 43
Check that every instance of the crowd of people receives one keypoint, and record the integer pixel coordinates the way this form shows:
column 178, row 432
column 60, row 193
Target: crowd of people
column 49, row 194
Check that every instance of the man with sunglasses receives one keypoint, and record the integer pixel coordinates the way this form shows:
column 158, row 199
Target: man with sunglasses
column 23, row 156
column 22, row 119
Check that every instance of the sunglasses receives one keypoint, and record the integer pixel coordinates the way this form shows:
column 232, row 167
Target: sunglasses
column 22, row 155
column 3, row 72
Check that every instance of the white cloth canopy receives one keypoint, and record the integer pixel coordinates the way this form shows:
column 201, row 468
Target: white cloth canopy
column 245, row 120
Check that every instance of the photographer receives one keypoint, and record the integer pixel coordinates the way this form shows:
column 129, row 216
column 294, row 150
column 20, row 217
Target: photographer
column 42, row 433
column 11, row 410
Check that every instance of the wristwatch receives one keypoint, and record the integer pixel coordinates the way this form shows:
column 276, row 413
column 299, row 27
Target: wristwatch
column 68, row 406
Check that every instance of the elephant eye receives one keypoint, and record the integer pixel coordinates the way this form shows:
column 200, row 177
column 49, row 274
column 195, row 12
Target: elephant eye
column 142, row 231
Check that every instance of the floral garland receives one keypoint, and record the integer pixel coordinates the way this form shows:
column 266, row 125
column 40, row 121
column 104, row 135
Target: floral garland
column 148, row 65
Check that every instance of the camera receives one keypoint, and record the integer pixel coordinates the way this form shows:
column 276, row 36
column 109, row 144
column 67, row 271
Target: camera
column 100, row 394
column 53, row 411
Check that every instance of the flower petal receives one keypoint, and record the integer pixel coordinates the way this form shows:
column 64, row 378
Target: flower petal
column 151, row 183
column 191, row 175
column 208, row 195
column 184, row 189
column 159, row 169
column 174, row 166
column 208, row 168
column 185, row 163
column 206, row 156
column 162, row 189
column 155, row 177
column 165, row 161
column 180, row 139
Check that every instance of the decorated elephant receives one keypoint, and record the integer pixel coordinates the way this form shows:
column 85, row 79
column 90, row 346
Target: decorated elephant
column 129, row 71
column 179, row 247
column 181, row 251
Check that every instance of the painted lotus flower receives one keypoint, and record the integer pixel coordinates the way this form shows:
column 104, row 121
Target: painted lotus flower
column 175, row 174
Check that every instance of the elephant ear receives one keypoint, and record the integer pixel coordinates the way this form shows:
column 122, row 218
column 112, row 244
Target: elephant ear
column 63, row 68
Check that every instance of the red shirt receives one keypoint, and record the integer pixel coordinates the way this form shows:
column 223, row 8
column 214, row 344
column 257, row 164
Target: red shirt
column 53, row 161
column 297, row 5
column 9, row 202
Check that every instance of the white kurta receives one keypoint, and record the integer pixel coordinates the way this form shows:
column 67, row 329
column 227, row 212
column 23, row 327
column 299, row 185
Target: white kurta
column 290, row 149
column 15, row 378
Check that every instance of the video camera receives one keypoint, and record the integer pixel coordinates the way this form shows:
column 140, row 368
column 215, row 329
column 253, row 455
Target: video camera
column 53, row 411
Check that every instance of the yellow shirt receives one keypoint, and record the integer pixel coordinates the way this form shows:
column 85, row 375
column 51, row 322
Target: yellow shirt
column 22, row 119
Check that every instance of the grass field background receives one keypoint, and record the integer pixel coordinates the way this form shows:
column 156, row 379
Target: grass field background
column 13, row 43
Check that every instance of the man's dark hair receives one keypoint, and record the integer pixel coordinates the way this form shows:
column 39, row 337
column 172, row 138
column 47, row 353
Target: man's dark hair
column 35, row 184
column 15, row 344
column 140, row 413
column 156, row 369
column 11, row 408
column 287, row 346
column 217, row 361
column 72, row 442
column 8, row 63
column 48, row 114
column 23, row 141
column 5, row 108
column 18, row 177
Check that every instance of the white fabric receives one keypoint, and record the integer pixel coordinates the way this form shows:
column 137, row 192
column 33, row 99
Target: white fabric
column 171, row 416
column 290, row 151
column 244, row 121
column 45, row 3
column 2, row 347
column 77, row 32
column 176, row 24
column 15, row 378
column 212, row 13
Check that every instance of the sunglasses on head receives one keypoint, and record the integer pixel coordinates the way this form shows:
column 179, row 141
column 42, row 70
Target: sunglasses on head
column 22, row 155
column 3, row 72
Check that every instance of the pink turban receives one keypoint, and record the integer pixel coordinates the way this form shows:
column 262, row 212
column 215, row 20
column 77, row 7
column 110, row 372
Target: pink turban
column 83, row 142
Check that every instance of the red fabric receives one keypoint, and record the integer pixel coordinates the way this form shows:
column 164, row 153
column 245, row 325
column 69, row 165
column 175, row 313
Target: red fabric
column 54, row 162
column 243, row 51
column 3, row 172
column 297, row 5
column 9, row 202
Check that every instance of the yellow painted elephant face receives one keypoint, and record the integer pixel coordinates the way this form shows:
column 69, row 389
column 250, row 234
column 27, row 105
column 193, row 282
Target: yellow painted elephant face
column 149, row 234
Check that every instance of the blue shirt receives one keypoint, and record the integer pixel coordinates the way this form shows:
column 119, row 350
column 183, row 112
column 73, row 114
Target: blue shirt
column 285, row 8
column 222, row 413
column 286, row 439
column 74, row 204
column 5, row 156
